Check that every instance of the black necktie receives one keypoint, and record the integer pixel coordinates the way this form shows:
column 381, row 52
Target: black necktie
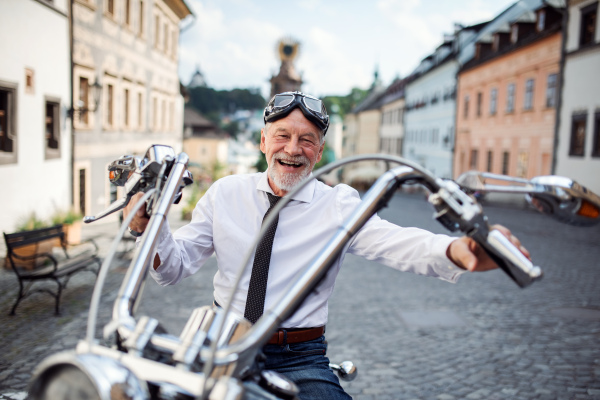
column 257, row 289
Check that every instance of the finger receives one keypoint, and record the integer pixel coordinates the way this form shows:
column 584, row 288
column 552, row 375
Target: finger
column 461, row 254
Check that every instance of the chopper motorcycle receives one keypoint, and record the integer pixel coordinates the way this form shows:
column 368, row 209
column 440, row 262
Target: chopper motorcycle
column 215, row 355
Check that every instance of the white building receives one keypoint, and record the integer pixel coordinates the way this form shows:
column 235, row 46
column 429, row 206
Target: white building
column 391, row 131
column 35, row 133
column 130, row 48
column 578, row 150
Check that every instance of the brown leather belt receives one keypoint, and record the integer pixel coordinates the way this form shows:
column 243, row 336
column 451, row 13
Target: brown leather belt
column 284, row 336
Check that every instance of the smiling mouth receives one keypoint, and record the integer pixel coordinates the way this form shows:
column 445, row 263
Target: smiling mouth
column 290, row 164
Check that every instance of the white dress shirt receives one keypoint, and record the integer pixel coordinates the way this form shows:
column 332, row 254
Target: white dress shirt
column 228, row 217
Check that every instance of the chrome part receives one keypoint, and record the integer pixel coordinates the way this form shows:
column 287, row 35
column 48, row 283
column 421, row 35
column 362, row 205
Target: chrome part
column 278, row 384
column 346, row 370
column 227, row 389
column 71, row 375
column 560, row 197
column 525, row 270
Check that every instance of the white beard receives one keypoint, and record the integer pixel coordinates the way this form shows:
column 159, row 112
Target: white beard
column 284, row 180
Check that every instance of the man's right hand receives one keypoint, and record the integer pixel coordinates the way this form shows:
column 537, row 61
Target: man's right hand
column 141, row 218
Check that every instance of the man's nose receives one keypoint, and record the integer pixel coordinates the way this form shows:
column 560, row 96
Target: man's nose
column 293, row 147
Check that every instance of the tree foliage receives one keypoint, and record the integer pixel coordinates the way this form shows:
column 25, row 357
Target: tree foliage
column 213, row 103
column 345, row 104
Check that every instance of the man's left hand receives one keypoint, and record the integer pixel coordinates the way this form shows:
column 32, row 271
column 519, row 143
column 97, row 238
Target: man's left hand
column 467, row 254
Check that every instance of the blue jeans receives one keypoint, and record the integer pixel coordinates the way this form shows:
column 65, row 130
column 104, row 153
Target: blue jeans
column 306, row 365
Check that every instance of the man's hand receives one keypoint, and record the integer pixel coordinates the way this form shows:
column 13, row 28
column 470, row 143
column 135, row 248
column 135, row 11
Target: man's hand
column 140, row 220
column 467, row 254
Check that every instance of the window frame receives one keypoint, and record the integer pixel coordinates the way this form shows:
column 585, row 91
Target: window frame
column 573, row 146
column 551, row 90
column 11, row 122
column 529, row 94
column 596, row 133
column 583, row 13
column 50, row 152
column 511, row 90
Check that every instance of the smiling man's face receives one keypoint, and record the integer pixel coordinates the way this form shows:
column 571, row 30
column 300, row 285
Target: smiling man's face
column 292, row 146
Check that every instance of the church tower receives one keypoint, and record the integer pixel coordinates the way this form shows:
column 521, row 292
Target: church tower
column 288, row 79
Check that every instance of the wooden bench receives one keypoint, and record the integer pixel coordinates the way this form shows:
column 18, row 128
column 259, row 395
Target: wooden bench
column 30, row 255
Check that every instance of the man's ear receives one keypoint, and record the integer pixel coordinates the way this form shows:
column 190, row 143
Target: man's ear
column 262, row 140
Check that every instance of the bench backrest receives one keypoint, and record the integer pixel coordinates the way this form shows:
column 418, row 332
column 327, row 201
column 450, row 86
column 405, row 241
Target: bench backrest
column 19, row 239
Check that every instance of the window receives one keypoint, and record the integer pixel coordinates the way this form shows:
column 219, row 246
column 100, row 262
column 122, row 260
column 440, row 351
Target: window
column 141, row 24
column 155, row 113
column 479, row 102
column 577, row 145
column 110, row 7
column 489, row 160
column 588, row 24
column 174, row 45
column 493, row 101
column 84, row 100
column 109, row 105
column 156, row 31
column 514, row 33
column 128, row 12
column 529, row 94
column 596, row 145
column 166, row 38
column 541, row 20
column 29, row 81
column 551, row 91
column 126, row 108
column 466, row 110
column 140, row 105
column 52, row 134
column 510, row 98
column 505, row 159
column 474, row 154
column 8, row 152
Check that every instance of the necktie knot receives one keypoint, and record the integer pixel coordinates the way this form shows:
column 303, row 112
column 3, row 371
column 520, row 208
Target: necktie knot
column 273, row 199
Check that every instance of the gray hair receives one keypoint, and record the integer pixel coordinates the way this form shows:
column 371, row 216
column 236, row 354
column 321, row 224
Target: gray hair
column 321, row 132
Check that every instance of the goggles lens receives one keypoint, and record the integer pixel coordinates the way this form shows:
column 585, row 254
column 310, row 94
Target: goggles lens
column 314, row 104
column 282, row 100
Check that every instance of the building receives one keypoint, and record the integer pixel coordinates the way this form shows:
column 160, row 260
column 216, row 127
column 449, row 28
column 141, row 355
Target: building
column 128, row 48
column 391, row 131
column 204, row 142
column 35, row 99
column 507, row 93
column 578, row 150
column 287, row 79
column 430, row 113
column 361, row 136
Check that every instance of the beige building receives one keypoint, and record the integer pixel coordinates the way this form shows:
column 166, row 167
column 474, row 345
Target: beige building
column 128, row 49
column 204, row 142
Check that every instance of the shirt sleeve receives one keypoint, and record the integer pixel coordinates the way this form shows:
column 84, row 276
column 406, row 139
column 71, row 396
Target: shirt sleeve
column 185, row 251
column 405, row 249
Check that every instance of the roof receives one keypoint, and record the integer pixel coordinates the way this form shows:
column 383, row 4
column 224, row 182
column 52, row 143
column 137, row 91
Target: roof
column 193, row 118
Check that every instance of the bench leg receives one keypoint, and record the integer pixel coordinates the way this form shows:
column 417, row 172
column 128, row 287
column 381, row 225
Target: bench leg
column 19, row 297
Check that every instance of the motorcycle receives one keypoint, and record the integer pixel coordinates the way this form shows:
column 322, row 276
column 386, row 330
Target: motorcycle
column 217, row 354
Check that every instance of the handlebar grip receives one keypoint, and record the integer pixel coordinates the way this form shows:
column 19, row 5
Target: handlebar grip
column 510, row 259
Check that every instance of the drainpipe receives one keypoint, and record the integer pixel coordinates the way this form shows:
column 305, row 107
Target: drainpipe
column 72, row 114
column 561, row 72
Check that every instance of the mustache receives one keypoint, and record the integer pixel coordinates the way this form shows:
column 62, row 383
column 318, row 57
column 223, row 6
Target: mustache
column 291, row 159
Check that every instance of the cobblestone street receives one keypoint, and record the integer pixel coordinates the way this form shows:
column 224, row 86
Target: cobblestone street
column 411, row 337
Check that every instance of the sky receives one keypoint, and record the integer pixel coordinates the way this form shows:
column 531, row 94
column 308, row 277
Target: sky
column 343, row 42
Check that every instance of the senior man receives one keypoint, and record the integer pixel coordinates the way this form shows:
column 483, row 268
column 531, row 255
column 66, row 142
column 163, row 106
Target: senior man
column 228, row 217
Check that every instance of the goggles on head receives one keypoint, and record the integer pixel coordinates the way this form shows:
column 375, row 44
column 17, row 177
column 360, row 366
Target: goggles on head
column 283, row 103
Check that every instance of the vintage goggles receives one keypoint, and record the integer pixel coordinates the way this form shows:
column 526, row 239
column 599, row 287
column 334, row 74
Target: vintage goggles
column 283, row 103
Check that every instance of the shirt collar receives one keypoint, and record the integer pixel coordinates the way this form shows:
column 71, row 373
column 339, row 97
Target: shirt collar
column 305, row 194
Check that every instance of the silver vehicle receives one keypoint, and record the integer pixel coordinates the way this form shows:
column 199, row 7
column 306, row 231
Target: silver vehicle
column 214, row 357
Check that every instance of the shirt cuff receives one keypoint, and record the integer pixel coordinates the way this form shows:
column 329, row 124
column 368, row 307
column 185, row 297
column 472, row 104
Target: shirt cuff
column 445, row 268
